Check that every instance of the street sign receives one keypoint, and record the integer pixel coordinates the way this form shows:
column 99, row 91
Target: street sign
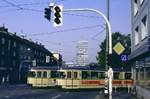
column 110, row 77
column 118, row 48
column 110, row 73
column 124, row 57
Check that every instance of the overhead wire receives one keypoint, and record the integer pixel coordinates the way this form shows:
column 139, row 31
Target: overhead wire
column 35, row 10
column 66, row 30
column 26, row 4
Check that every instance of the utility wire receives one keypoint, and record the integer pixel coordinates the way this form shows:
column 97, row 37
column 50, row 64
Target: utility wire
column 66, row 30
column 35, row 10
column 93, row 38
column 27, row 4
column 12, row 4
column 81, row 15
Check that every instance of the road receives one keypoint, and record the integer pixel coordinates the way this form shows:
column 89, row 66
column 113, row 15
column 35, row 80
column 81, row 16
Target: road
column 25, row 92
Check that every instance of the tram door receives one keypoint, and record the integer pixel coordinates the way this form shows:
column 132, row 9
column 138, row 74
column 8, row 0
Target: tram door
column 39, row 79
column 72, row 81
column 69, row 82
column 76, row 80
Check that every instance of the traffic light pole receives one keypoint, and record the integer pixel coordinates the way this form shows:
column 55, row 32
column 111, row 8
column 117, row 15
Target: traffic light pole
column 109, row 37
column 105, row 18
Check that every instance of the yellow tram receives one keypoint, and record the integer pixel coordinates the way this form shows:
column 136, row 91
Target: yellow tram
column 80, row 77
column 77, row 77
column 42, row 76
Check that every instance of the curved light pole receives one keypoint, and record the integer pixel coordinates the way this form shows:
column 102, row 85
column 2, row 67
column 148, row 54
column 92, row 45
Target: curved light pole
column 109, row 37
column 105, row 18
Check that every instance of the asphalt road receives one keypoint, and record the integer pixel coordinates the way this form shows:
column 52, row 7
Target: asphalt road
column 25, row 92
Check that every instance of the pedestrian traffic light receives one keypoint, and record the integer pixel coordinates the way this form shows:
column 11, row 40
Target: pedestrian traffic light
column 58, row 15
column 47, row 13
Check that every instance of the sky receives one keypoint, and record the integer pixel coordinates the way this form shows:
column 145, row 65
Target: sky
column 26, row 17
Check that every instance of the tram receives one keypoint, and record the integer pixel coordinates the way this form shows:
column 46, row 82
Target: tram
column 42, row 76
column 80, row 77
column 77, row 77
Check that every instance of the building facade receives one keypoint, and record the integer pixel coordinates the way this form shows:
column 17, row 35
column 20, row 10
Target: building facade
column 140, row 46
column 82, row 53
column 18, row 54
column 58, row 57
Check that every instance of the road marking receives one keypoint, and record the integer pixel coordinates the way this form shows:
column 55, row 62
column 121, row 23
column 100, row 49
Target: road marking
column 7, row 96
column 67, row 92
column 56, row 96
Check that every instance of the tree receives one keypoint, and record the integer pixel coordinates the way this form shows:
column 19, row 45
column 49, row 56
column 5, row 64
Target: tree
column 116, row 61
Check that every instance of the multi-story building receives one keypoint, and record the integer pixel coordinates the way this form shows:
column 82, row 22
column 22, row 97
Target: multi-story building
column 82, row 53
column 18, row 54
column 140, row 46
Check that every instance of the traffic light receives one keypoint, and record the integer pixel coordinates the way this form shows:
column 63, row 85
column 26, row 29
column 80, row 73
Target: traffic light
column 47, row 13
column 109, row 59
column 58, row 15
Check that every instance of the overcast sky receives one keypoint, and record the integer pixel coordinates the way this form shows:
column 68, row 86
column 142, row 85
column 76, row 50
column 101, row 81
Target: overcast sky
column 26, row 17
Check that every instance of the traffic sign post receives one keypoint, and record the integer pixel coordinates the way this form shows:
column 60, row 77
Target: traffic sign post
column 118, row 48
column 110, row 77
column 124, row 57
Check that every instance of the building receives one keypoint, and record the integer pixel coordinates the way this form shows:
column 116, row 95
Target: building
column 140, row 46
column 18, row 54
column 58, row 58
column 82, row 53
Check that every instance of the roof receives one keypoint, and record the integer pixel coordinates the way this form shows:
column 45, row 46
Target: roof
column 66, row 68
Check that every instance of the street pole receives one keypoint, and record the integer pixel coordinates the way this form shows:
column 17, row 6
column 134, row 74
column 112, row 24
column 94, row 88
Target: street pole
column 107, row 33
column 106, row 20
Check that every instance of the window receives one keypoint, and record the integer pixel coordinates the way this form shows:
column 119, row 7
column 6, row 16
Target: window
column 45, row 74
column 68, row 74
column 144, row 29
column 32, row 74
column 94, row 75
column 62, row 74
column 75, row 75
column 135, row 7
column 2, row 62
column 3, row 40
column 127, row 75
column 14, row 53
column 14, row 62
column 39, row 74
column 54, row 74
column 2, row 52
column 14, row 44
column 116, row 75
column 136, row 35
column 85, row 75
column 9, row 44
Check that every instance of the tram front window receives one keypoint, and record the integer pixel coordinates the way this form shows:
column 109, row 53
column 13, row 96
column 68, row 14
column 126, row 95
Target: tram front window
column 31, row 74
